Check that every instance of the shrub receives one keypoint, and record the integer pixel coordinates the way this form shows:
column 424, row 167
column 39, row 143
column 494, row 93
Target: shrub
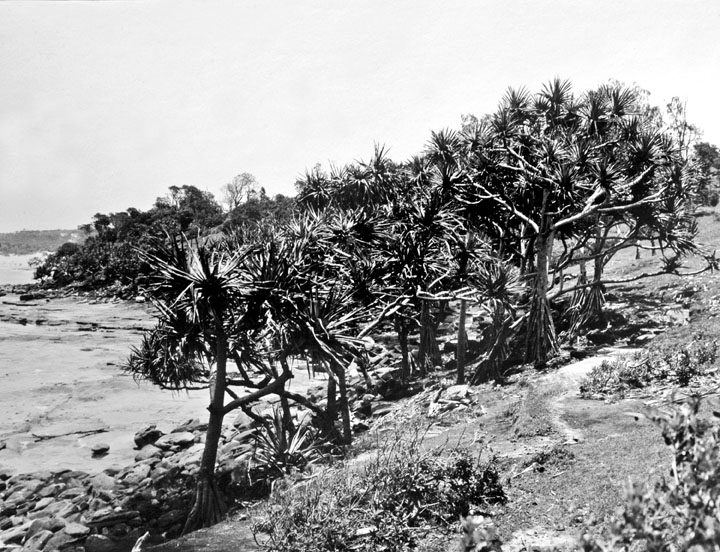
column 680, row 367
column 389, row 504
column 278, row 448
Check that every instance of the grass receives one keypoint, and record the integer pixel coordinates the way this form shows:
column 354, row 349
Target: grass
column 406, row 497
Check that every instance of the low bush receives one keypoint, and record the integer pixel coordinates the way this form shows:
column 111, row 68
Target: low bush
column 682, row 511
column 388, row 504
column 664, row 364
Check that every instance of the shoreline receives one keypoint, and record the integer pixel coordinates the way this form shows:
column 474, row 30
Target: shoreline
column 62, row 389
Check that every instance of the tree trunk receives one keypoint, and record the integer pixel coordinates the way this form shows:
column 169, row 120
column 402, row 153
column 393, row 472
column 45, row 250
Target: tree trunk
column 209, row 507
column 541, row 342
column 461, row 343
column 402, row 332
column 344, row 405
column 428, row 352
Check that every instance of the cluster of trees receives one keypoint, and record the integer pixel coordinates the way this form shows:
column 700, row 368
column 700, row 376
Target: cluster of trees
column 108, row 255
column 495, row 213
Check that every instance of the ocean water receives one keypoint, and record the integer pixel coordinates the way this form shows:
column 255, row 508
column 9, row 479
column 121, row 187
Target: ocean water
column 14, row 269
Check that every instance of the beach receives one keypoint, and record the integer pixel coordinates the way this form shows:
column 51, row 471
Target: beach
column 62, row 389
column 15, row 270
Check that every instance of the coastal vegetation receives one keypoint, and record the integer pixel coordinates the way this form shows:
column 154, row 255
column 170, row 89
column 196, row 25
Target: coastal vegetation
column 511, row 220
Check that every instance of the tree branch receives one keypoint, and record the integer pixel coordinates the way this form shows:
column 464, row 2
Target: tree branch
column 275, row 387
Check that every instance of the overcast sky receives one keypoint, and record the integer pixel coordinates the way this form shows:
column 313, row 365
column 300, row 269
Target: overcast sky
column 105, row 104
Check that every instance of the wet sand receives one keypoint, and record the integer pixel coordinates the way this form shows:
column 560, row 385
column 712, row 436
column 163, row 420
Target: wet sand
column 62, row 389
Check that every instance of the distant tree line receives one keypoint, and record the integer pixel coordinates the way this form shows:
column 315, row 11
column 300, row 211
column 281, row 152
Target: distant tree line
column 25, row 242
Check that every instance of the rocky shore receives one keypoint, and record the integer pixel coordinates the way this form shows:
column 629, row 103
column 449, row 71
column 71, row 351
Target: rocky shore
column 76, row 511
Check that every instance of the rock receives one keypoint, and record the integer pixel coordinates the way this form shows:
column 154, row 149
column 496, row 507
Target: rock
column 43, row 503
column 76, row 530
column 179, row 440
column 59, row 541
column 147, row 436
column 99, row 543
column 457, row 392
column 102, row 481
column 15, row 535
column 360, row 427
column 140, row 299
column 191, row 426
column 61, row 508
column 147, row 452
column 38, row 541
column 243, row 421
column 113, row 470
column 107, row 517
column 51, row 490
column 100, row 449
column 72, row 492
column 137, row 474
column 31, row 296
column 45, row 524
column 2, row 445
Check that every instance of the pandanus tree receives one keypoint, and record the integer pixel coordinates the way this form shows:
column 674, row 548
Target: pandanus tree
column 206, row 314
column 555, row 165
column 255, row 305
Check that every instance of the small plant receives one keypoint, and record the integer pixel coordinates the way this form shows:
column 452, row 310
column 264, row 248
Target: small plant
column 279, row 448
column 390, row 504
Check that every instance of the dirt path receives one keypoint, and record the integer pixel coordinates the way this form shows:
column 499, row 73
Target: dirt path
column 569, row 447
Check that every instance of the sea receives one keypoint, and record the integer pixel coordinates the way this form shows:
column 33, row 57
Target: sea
column 15, row 269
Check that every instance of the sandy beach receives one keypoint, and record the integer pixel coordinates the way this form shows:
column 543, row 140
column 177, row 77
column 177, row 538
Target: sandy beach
column 15, row 270
column 62, row 389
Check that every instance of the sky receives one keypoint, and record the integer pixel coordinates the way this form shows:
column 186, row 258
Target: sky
column 106, row 104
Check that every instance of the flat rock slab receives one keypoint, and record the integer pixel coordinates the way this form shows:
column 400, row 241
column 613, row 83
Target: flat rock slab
column 180, row 439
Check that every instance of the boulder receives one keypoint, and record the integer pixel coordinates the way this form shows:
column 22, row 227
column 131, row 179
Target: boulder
column 53, row 489
column 147, row 436
column 457, row 392
column 43, row 503
column 137, row 474
column 147, row 452
column 107, row 517
column 175, row 440
column 38, row 541
column 243, row 421
column 100, row 449
column 76, row 530
column 59, row 541
column 102, row 481
column 191, row 426
column 15, row 535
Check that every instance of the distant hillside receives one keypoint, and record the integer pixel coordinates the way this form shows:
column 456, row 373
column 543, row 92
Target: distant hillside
column 33, row 241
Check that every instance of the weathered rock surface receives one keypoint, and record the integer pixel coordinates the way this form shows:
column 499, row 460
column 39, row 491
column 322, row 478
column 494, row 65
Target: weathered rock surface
column 147, row 436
